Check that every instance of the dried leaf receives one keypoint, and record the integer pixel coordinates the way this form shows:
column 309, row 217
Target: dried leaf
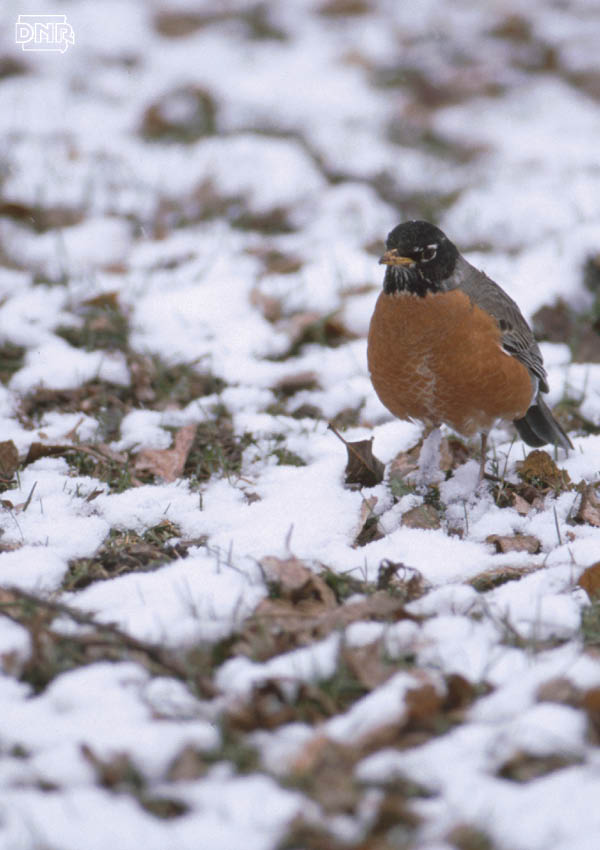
column 524, row 766
column 269, row 306
column 38, row 450
column 291, row 384
column 516, row 543
column 559, row 690
column 520, row 504
column 539, row 469
column 329, row 765
column 489, row 579
column 367, row 523
column 407, row 583
column 423, row 703
column 404, row 463
column 368, row 664
column 9, row 460
column 422, row 516
column 362, row 468
column 188, row 764
column 105, row 299
column 460, row 692
column 168, row 464
column 589, row 507
column 100, row 451
column 292, row 581
column 112, row 771
column 589, row 580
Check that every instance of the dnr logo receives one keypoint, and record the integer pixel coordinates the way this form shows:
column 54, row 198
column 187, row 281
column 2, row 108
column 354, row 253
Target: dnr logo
column 44, row 32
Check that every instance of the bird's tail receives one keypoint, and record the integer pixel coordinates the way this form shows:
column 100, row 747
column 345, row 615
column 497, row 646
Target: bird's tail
column 539, row 427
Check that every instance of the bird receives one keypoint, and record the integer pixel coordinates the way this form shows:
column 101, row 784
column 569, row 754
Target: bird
column 447, row 345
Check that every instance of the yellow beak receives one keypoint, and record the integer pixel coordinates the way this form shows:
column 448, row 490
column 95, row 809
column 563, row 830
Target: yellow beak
column 393, row 258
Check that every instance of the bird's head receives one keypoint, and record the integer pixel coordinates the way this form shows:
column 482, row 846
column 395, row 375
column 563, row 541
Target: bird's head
column 419, row 259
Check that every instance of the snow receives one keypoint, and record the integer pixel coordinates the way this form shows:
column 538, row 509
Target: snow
column 327, row 135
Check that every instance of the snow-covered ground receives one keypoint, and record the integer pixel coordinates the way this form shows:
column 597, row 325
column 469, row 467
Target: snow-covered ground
column 198, row 644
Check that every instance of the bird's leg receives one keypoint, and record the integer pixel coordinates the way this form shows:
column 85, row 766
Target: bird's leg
column 429, row 456
column 483, row 456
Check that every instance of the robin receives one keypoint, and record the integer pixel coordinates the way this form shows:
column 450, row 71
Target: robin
column 448, row 345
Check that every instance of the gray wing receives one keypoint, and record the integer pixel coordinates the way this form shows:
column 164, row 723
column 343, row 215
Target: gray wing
column 516, row 335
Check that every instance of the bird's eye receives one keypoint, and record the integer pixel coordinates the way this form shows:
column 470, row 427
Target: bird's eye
column 429, row 253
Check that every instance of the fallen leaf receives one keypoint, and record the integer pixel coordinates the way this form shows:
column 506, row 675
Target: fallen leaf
column 520, row 504
column 368, row 664
column 589, row 580
column 168, row 464
column 524, row 766
column 460, row 693
column 489, row 579
column 114, row 770
column 406, row 583
column 291, row 384
column 293, row 581
column 590, row 702
column 367, row 523
column 9, row 460
column 516, row 543
column 424, row 703
column 539, row 469
column 363, row 468
column 38, row 450
column 421, row 516
column 105, row 299
column 404, row 463
column 559, row 690
column 188, row 764
column 269, row 306
column 589, row 507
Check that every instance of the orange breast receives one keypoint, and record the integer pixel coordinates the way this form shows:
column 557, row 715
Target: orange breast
column 438, row 359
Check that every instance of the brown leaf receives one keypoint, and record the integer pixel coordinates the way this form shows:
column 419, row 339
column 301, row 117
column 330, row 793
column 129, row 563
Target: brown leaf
column 520, row 504
column 9, row 460
column 524, row 766
column 294, row 582
column 168, row 464
column 539, row 469
column 291, row 384
column 367, row 523
column 424, row 703
column 105, row 299
column 589, row 507
column 516, row 543
column 460, row 692
column 589, row 580
column 404, row 463
column 308, row 611
column 489, row 579
column 422, row 516
column 407, row 583
column 100, row 451
column 269, row 306
column 38, row 450
column 115, row 770
column 559, row 690
column 329, row 767
column 188, row 764
column 362, row 468
column 590, row 702
column 368, row 664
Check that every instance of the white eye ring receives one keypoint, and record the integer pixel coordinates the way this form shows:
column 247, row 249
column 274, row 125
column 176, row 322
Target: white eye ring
column 429, row 253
